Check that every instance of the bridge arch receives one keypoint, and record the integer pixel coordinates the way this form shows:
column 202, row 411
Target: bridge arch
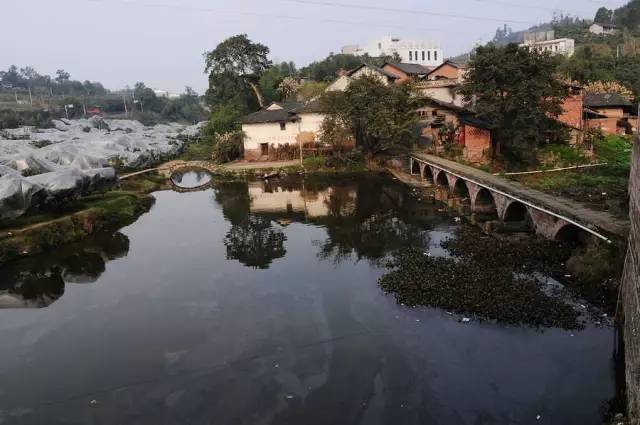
column 460, row 189
column 441, row 179
column 416, row 168
column 515, row 212
column 572, row 235
column 484, row 203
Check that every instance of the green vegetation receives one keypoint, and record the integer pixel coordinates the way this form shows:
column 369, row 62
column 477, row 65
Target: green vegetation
column 10, row 118
column 327, row 69
column 38, row 93
column 604, row 187
column 517, row 92
column 92, row 214
column 380, row 118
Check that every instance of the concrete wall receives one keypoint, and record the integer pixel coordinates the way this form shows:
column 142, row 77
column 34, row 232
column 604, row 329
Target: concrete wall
column 631, row 294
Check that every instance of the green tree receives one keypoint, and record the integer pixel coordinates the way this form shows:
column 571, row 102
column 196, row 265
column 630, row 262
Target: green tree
column 380, row 117
column 239, row 62
column 517, row 91
column 603, row 16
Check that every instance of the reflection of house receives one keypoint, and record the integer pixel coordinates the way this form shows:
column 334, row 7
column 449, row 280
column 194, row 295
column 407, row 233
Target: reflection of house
column 343, row 81
column 442, row 83
column 604, row 29
column 268, row 198
column 279, row 124
column 611, row 112
column 471, row 135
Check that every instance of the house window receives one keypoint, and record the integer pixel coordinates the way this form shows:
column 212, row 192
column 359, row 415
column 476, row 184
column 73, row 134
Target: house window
column 283, row 126
column 423, row 55
column 379, row 46
column 435, row 55
column 429, row 55
column 434, row 113
column 410, row 55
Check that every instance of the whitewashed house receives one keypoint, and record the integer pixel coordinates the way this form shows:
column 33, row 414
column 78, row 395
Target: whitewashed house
column 604, row 29
column 278, row 124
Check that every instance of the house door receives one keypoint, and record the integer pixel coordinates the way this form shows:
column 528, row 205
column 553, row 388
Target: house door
column 264, row 147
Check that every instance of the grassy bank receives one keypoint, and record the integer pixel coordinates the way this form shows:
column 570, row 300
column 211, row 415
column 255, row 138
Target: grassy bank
column 39, row 231
column 603, row 188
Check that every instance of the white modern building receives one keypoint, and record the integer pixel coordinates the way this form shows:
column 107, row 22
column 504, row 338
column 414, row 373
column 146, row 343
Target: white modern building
column 545, row 41
column 560, row 46
column 427, row 53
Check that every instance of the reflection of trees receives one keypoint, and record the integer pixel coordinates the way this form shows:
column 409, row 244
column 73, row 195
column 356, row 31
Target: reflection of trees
column 38, row 281
column 369, row 216
column 379, row 224
column 255, row 242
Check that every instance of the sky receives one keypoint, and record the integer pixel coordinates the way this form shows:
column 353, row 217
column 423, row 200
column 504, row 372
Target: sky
column 161, row 42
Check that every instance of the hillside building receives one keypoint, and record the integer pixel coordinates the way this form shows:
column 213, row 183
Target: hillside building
column 422, row 52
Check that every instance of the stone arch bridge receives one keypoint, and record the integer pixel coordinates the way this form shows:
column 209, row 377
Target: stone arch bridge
column 509, row 201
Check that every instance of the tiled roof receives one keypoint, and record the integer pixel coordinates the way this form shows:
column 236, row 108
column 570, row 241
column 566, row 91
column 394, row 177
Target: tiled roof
column 410, row 68
column 599, row 100
column 373, row 67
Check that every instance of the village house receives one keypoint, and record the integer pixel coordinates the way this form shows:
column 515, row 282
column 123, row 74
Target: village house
column 280, row 124
column 345, row 78
column 407, row 71
column 604, row 29
column 610, row 112
column 442, row 83
column 472, row 135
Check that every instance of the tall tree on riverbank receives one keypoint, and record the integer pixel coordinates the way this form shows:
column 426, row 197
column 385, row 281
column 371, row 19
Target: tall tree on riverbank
column 518, row 92
column 379, row 117
column 236, row 63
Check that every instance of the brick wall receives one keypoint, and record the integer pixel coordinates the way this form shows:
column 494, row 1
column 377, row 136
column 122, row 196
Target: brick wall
column 477, row 144
column 631, row 294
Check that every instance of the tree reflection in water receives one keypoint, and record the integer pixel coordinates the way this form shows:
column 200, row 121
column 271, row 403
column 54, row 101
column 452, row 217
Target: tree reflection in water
column 365, row 217
column 37, row 282
column 255, row 242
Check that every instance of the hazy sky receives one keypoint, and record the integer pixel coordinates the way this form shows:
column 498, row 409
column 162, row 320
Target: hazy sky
column 160, row 42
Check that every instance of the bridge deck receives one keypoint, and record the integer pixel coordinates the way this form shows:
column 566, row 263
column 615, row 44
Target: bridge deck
column 574, row 210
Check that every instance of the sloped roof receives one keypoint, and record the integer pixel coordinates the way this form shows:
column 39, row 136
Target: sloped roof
column 447, row 105
column 410, row 68
column 600, row 100
column 287, row 112
column 313, row 106
column 374, row 68
column 455, row 64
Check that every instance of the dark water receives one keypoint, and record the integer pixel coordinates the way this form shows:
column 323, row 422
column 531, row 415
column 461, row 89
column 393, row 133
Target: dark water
column 256, row 303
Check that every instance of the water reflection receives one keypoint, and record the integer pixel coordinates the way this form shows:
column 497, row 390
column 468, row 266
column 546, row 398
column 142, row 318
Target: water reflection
column 364, row 218
column 191, row 179
column 39, row 281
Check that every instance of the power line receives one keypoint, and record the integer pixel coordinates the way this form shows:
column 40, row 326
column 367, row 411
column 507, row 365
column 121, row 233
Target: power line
column 277, row 16
column 408, row 11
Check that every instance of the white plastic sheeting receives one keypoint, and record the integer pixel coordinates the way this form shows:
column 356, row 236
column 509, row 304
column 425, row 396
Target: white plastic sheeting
column 42, row 166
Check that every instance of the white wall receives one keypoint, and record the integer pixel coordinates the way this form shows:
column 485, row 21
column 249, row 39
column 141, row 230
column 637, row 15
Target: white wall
column 270, row 133
column 433, row 54
column 256, row 134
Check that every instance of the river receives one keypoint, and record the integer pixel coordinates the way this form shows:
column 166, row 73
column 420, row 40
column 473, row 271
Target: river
column 258, row 303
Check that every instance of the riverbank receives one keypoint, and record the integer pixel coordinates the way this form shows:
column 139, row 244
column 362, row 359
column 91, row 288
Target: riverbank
column 44, row 230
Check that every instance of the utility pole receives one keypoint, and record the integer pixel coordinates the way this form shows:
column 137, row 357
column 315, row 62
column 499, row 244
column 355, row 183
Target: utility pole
column 124, row 101
column 30, row 97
